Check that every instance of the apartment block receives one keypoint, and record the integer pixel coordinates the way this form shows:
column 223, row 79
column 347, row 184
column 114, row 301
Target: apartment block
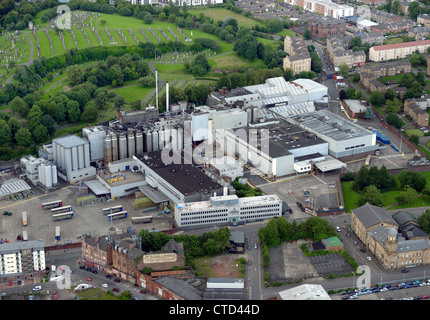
column 397, row 51
column 419, row 33
column 424, row 19
column 324, row 27
column 339, row 53
column 22, row 258
column 298, row 58
column 324, row 7
column 416, row 109
column 393, row 27
column 375, row 38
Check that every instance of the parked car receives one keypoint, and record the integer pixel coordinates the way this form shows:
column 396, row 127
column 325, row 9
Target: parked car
column 117, row 280
column 338, row 229
column 142, row 291
column 369, row 258
column 115, row 290
column 55, row 297
column 405, row 271
column 37, row 288
column 105, row 285
column 362, row 250
column 89, row 279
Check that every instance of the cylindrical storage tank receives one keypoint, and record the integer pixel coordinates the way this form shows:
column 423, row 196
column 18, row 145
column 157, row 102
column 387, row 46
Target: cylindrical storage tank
column 254, row 114
column 174, row 135
column 180, row 138
column 139, row 142
column 59, row 155
column 75, row 158
column 87, row 155
column 41, row 171
column 54, row 152
column 210, row 132
column 131, row 144
column 122, row 146
column 63, row 157
column 249, row 114
column 161, row 140
column 155, row 141
column 68, row 159
column 54, row 174
column 81, row 160
column 114, row 147
column 148, row 136
column 108, row 149
column 167, row 138
column 48, row 175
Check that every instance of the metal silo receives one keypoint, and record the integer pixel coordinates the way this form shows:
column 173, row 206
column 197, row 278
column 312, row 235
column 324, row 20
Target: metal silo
column 180, row 138
column 108, row 149
column 131, row 144
column 75, row 158
column 54, row 174
column 81, row 160
column 167, row 137
column 114, row 147
column 161, row 140
column 87, row 154
column 155, row 141
column 148, row 138
column 139, row 142
column 68, row 159
column 122, row 146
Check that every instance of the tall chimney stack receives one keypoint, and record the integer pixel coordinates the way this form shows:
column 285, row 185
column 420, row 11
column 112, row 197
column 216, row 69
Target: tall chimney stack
column 156, row 88
column 167, row 96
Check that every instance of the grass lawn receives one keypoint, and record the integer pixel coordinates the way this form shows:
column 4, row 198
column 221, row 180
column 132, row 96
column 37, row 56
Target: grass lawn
column 95, row 294
column 220, row 14
column 45, row 49
column 203, row 266
column 416, row 132
column 133, row 92
column 233, row 61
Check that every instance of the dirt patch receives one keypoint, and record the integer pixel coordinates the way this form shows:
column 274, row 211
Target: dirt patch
column 224, row 266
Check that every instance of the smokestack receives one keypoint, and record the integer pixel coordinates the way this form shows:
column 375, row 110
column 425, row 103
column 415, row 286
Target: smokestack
column 167, row 96
column 156, row 88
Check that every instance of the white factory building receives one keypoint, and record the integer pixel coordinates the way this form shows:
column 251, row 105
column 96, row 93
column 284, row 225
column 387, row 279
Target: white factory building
column 276, row 148
column 71, row 155
column 344, row 137
column 22, row 258
column 227, row 209
column 39, row 171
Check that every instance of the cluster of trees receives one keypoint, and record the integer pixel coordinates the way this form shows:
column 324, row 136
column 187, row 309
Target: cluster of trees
column 245, row 190
column 357, row 45
column 191, row 93
column 279, row 230
column 113, row 71
column 209, row 243
column 199, row 66
column 374, row 176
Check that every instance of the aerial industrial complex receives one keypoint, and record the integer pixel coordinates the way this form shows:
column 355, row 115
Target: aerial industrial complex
column 310, row 166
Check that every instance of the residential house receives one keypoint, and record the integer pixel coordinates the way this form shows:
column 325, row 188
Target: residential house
column 323, row 27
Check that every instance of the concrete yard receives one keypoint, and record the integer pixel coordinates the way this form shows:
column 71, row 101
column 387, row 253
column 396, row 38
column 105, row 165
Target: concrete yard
column 87, row 219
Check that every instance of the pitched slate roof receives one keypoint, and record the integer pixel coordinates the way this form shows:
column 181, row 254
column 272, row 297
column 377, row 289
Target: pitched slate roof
column 370, row 215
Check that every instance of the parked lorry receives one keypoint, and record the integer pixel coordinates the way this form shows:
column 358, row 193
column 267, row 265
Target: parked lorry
column 24, row 218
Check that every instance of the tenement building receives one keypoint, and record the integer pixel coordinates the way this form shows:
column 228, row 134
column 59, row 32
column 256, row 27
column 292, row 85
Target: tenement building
column 379, row 232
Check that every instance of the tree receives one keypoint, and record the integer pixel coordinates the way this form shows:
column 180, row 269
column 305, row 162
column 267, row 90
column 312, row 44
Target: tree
column 73, row 111
column 356, row 77
column 369, row 113
column 316, row 63
column 148, row 18
column 40, row 134
column 414, row 139
column 90, row 113
column 23, row 137
column 118, row 101
column 307, row 34
column 412, row 179
column 424, row 221
column 344, row 70
column 377, row 98
column 409, row 194
column 75, row 75
column 371, row 195
column 394, row 120
column 19, row 107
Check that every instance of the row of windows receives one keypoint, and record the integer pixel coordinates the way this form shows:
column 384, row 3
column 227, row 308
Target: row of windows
column 260, row 211
column 355, row 147
column 261, row 207
column 204, row 221
column 202, row 212
column 204, row 217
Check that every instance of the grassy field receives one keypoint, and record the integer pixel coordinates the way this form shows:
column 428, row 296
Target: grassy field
column 220, row 14
column 133, row 92
column 388, row 198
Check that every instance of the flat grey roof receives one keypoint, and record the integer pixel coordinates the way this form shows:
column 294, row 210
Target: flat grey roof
column 331, row 125
column 97, row 187
column 70, row 141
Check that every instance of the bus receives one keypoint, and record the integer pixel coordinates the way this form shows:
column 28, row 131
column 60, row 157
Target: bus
column 24, row 236
column 146, row 219
column 61, row 209
column 57, row 233
column 117, row 215
column 52, row 204
column 112, row 209
column 62, row 216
